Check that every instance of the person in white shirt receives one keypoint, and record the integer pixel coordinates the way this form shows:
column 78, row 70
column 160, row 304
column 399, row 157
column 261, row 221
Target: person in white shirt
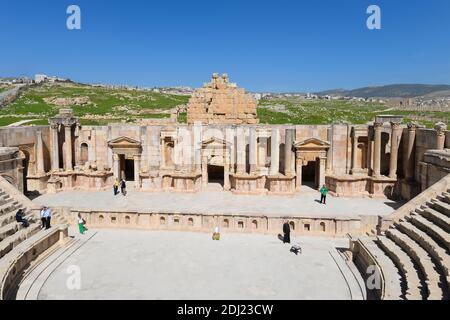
column 43, row 219
column 48, row 218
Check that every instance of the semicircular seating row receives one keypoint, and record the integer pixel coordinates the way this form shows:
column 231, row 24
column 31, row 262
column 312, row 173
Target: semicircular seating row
column 414, row 253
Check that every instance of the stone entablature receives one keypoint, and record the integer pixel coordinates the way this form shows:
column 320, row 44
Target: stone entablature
column 221, row 102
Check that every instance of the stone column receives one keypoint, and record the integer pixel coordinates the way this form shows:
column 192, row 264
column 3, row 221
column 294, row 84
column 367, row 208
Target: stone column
column 240, row 151
column 395, row 139
column 204, row 171
column 289, row 143
column 440, row 128
column 275, row 153
column 55, row 147
column 410, row 153
column 116, row 166
column 354, row 152
column 253, row 151
column 39, row 153
column 322, row 167
column 298, row 179
column 137, row 171
column 377, row 149
column 68, row 148
column 226, row 172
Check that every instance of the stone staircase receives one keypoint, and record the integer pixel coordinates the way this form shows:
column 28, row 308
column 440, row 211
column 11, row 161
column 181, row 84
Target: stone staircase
column 11, row 232
column 413, row 252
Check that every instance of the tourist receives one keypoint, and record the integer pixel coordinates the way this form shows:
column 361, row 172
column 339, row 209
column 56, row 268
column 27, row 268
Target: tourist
column 48, row 218
column 216, row 233
column 287, row 232
column 323, row 194
column 81, row 224
column 21, row 219
column 116, row 186
column 43, row 219
column 123, row 187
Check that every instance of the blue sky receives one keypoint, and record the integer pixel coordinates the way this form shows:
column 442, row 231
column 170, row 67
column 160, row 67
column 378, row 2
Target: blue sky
column 263, row 45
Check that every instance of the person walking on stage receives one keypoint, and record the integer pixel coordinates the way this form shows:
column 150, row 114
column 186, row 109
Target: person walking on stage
column 123, row 187
column 323, row 194
column 116, row 186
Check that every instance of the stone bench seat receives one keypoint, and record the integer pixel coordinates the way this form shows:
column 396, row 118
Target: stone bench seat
column 11, row 217
column 406, row 266
column 438, row 253
column 391, row 274
column 440, row 206
column 422, row 259
column 8, row 207
column 435, row 232
column 12, row 241
column 436, row 217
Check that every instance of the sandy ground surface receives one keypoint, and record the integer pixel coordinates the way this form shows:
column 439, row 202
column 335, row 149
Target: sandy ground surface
column 305, row 203
column 124, row 264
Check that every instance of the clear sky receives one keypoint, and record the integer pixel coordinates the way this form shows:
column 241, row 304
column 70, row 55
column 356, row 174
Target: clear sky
column 263, row 45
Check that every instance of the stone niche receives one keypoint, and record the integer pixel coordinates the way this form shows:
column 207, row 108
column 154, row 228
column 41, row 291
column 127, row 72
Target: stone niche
column 221, row 102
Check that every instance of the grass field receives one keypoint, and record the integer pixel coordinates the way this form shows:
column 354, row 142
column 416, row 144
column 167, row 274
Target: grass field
column 297, row 111
column 4, row 87
column 115, row 103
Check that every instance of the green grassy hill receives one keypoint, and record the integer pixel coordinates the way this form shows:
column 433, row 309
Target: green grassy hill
column 390, row 91
column 315, row 112
column 42, row 102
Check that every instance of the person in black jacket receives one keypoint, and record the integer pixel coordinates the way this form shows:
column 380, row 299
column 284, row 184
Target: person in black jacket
column 287, row 232
column 21, row 219
column 123, row 187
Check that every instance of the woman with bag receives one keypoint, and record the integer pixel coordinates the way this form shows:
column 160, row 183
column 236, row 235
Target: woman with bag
column 81, row 224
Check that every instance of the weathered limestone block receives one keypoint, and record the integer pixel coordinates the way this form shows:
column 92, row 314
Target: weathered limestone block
column 220, row 102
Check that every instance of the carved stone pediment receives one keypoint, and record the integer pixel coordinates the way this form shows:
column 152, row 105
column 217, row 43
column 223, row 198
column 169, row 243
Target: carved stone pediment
column 312, row 144
column 215, row 143
column 125, row 145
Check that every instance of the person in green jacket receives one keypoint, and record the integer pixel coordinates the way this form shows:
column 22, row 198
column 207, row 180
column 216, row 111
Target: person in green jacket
column 324, row 192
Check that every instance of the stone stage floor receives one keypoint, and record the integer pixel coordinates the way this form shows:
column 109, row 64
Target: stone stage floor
column 305, row 203
column 130, row 264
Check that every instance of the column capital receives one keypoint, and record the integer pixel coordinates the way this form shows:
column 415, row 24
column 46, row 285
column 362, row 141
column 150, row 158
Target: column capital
column 54, row 126
column 440, row 128
column 377, row 125
column 412, row 126
column 395, row 125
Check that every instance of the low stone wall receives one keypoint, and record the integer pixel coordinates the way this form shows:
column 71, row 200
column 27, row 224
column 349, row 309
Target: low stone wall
column 357, row 186
column 14, row 263
column 201, row 222
column 363, row 259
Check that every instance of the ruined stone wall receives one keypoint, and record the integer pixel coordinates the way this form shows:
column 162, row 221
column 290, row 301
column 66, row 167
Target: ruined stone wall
column 221, row 102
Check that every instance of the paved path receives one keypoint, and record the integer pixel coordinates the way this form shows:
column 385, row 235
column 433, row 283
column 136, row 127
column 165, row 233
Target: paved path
column 302, row 204
column 124, row 264
column 22, row 122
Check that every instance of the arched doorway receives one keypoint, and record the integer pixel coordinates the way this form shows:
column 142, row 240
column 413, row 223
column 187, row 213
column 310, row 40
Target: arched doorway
column 84, row 153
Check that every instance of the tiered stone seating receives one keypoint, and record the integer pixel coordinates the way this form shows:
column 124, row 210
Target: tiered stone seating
column 418, row 244
column 11, row 232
